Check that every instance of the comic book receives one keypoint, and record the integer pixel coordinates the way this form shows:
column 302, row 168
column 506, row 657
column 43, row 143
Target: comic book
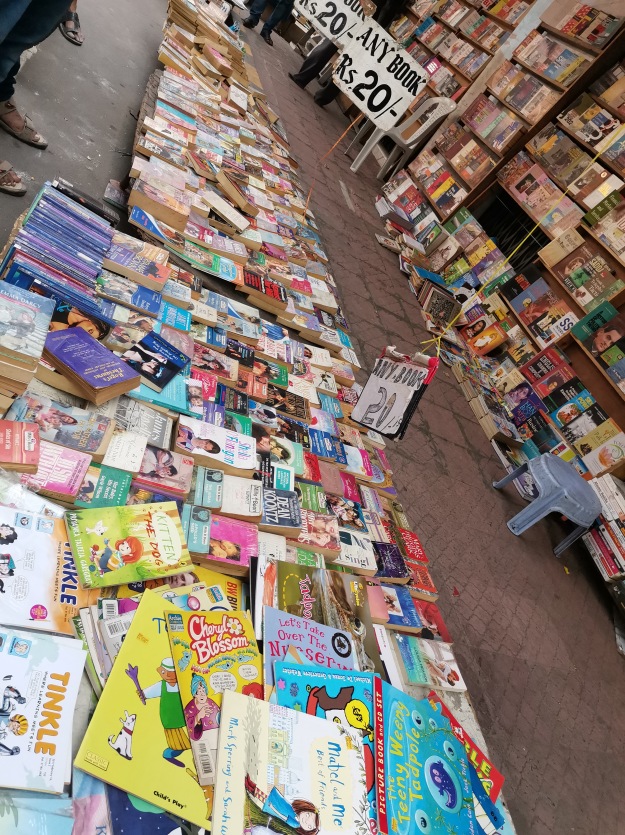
column 138, row 734
column 40, row 681
column 300, row 771
column 38, row 580
column 212, row 652
column 114, row 545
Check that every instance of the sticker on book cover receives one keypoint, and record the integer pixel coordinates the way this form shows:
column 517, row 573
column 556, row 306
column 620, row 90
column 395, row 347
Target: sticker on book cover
column 20, row 647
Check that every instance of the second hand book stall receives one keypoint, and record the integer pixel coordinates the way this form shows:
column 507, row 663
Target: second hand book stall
column 511, row 230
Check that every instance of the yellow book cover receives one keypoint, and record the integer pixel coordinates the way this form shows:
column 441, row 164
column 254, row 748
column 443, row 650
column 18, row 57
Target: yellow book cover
column 225, row 592
column 212, row 652
column 137, row 739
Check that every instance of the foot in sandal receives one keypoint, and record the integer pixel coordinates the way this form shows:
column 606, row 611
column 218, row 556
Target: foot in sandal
column 70, row 26
column 21, row 127
column 10, row 181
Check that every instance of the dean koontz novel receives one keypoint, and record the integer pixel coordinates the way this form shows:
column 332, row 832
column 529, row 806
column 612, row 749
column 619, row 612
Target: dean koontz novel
column 115, row 545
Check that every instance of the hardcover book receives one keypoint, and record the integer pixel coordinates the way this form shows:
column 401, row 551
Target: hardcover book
column 114, row 545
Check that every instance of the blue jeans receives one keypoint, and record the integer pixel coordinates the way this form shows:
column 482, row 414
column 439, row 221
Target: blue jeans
column 281, row 11
column 24, row 23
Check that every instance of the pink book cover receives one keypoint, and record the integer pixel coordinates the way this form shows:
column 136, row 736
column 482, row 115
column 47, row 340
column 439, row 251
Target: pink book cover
column 233, row 542
column 209, row 383
column 350, row 487
column 377, row 604
column 331, row 478
column 358, row 462
column 164, row 470
column 60, row 470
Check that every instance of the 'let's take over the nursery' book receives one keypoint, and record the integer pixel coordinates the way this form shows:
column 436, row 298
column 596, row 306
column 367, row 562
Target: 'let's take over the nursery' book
column 298, row 770
column 40, row 681
column 137, row 739
column 212, row 652
column 115, row 545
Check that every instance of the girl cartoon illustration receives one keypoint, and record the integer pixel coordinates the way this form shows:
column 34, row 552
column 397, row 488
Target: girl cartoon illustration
column 8, row 534
column 301, row 815
column 16, row 725
column 127, row 551
column 7, row 567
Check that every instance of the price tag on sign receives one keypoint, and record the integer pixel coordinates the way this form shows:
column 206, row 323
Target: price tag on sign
column 392, row 392
column 373, row 70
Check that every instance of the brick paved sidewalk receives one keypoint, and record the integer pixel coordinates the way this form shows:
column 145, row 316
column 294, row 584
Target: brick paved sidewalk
column 535, row 643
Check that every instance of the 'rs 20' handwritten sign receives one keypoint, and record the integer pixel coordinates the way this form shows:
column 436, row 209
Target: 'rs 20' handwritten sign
column 373, row 70
column 392, row 392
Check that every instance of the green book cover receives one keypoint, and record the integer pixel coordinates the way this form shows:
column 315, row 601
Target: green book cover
column 196, row 524
column 103, row 487
column 597, row 319
column 116, row 545
column 238, row 423
column 311, row 496
column 602, row 208
column 207, row 487
column 278, row 374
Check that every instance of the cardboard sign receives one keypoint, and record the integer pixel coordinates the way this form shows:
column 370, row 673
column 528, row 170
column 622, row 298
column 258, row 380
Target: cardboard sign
column 373, row 70
column 392, row 392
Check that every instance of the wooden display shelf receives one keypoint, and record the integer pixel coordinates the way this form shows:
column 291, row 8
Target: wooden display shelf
column 547, row 232
column 606, row 162
column 506, row 25
column 563, row 36
column 619, row 259
column 616, row 299
column 550, row 81
column 607, row 106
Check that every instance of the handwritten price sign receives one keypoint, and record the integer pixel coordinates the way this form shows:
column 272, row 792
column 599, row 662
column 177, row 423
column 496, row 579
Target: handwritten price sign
column 373, row 70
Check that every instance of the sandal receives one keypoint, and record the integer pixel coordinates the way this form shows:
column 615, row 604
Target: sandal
column 71, row 34
column 18, row 188
column 27, row 134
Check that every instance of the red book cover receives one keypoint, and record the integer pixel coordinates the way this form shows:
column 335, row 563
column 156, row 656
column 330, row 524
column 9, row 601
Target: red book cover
column 542, row 364
column 431, row 617
column 311, row 468
column 208, row 381
column 412, row 546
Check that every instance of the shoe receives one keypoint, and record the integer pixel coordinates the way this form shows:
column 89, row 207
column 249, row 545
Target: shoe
column 249, row 23
column 267, row 38
column 295, row 81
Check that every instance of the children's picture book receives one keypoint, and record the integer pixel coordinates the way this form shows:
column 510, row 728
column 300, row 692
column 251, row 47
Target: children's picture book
column 342, row 697
column 212, row 652
column 137, row 739
column 317, row 644
column 114, row 545
column 416, row 744
column 298, row 771
column 40, row 680
column 428, row 663
column 156, row 360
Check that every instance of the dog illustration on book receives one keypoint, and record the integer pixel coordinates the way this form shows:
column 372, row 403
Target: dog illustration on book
column 122, row 743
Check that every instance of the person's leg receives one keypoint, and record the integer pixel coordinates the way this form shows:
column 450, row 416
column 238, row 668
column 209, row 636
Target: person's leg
column 314, row 62
column 281, row 11
column 256, row 10
column 70, row 25
column 326, row 94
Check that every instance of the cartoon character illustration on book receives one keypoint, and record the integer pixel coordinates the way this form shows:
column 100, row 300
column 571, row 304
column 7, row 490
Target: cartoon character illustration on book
column 8, row 534
column 201, row 713
column 170, row 708
column 126, row 552
column 7, row 569
column 299, row 814
column 122, row 743
column 16, row 725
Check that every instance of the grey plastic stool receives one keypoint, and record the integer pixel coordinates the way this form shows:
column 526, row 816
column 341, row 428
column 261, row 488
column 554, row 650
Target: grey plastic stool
column 561, row 489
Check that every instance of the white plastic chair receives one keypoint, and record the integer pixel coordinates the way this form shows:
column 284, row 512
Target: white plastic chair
column 431, row 113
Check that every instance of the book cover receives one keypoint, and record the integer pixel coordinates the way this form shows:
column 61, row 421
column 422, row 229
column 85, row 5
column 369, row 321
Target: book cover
column 163, row 470
column 260, row 744
column 132, row 415
column 38, row 580
column 416, row 746
column 391, row 564
column 428, row 663
column 60, row 472
column 281, row 512
column 68, row 426
column 319, row 532
column 232, row 542
column 19, row 444
column 139, row 728
column 342, row 697
column 216, row 447
column 324, row 646
column 156, row 360
column 212, row 652
column 242, row 498
column 41, row 678
column 357, row 554
column 76, row 350
column 114, row 545
column 103, row 486
column 25, row 321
